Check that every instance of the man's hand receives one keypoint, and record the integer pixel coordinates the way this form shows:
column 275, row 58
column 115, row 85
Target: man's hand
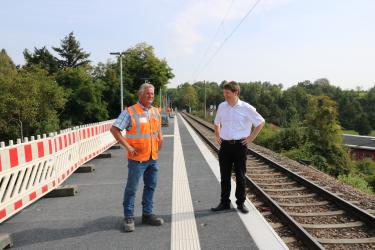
column 218, row 140
column 246, row 141
column 131, row 150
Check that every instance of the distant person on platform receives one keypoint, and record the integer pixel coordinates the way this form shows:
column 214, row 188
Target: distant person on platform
column 233, row 122
column 143, row 141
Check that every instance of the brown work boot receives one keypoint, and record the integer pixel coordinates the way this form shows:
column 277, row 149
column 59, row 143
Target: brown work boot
column 152, row 219
column 129, row 225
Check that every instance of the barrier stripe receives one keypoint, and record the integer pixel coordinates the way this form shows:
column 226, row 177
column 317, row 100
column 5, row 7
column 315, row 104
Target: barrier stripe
column 44, row 188
column 13, row 155
column 28, row 153
column 32, row 196
column 18, row 204
column 50, row 146
column 60, row 143
column 40, row 149
column 3, row 213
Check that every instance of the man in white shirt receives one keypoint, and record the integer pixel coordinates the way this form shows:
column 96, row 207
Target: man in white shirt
column 233, row 122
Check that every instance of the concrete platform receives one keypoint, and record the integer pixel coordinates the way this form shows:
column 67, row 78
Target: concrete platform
column 187, row 188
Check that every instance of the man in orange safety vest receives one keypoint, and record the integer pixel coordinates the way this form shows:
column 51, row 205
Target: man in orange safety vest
column 143, row 141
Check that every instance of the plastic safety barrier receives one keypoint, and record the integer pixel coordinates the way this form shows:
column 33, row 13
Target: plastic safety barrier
column 31, row 169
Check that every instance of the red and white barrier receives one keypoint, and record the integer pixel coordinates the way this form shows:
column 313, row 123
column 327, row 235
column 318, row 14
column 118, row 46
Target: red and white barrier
column 30, row 170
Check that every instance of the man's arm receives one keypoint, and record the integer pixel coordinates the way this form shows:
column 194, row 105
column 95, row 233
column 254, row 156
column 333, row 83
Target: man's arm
column 118, row 136
column 253, row 134
column 217, row 134
column 160, row 136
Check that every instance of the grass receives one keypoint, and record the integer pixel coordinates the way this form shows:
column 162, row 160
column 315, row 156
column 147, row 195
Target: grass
column 352, row 132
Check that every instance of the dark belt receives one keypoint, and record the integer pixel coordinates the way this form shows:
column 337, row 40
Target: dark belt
column 231, row 141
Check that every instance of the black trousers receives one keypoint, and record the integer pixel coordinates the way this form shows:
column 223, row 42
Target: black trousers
column 232, row 155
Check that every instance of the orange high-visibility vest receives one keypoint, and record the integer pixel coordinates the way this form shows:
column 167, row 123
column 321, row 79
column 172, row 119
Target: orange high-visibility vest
column 144, row 132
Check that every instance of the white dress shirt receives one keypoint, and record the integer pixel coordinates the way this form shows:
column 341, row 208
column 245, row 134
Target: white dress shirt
column 236, row 121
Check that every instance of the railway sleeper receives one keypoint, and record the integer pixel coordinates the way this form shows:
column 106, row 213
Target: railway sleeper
column 277, row 184
column 328, row 213
column 288, row 240
column 320, row 203
column 284, row 189
column 293, row 196
column 341, row 225
column 276, row 225
column 347, row 241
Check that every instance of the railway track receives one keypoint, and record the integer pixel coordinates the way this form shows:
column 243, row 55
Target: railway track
column 316, row 217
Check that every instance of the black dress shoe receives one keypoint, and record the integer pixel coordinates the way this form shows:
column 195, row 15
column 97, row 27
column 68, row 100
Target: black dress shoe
column 221, row 207
column 243, row 209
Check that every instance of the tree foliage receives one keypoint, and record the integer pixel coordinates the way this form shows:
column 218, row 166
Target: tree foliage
column 325, row 135
column 85, row 101
column 7, row 67
column 71, row 54
column 43, row 58
column 30, row 97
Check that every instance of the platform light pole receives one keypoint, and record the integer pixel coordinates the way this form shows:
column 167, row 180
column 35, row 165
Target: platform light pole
column 119, row 54
column 19, row 123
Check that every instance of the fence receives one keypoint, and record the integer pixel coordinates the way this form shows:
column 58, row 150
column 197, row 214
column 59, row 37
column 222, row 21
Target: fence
column 31, row 169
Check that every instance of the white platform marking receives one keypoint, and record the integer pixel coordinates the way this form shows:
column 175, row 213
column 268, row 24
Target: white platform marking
column 259, row 229
column 168, row 135
column 184, row 228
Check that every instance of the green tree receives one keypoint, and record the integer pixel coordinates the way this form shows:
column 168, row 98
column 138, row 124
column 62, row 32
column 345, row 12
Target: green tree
column 363, row 126
column 350, row 110
column 187, row 97
column 325, row 136
column 140, row 64
column 43, row 58
column 108, row 74
column 7, row 67
column 30, row 97
column 85, row 103
column 72, row 55
column 369, row 105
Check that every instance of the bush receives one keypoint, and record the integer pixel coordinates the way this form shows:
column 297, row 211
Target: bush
column 267, row 137
column 299, row 154
column 355, row 181
column 366, row 167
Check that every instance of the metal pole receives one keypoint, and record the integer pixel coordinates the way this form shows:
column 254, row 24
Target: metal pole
column 161, row 106
column 121, row 85
column 205, row 115
column 119, row 54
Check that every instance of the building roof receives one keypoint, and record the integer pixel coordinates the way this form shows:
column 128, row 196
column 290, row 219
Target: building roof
column 359, row 142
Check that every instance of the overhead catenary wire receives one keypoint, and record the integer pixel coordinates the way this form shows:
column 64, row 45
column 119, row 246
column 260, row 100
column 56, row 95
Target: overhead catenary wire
column 218, row 29
column 228, row 37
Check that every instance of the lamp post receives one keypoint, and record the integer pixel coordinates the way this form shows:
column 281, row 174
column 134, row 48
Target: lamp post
column 119, row 54
column 19, row 123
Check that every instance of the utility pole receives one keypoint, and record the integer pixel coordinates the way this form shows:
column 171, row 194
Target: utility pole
column 119, row 54
column 205, row 115
column 160, row 100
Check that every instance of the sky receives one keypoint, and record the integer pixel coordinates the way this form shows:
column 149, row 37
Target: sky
column 279, row 41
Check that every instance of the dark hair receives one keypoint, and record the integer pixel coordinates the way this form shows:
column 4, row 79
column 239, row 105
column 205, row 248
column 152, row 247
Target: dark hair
column 232, row 86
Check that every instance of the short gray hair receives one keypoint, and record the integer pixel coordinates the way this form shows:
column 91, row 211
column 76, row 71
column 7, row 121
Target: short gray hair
column 145, row 86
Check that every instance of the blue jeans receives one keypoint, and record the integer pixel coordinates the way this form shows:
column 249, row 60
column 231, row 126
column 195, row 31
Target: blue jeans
column 149, row 170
